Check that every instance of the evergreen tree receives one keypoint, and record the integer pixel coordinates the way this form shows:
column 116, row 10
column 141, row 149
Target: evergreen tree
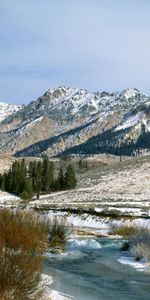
column 61, row 180
column 47, row 175
column 14, row 177
column 38, row 178
column 3, row 182
column 70, row 179
column 51, row 174
column 31, row 172
column 27, row 192
column 1, row 179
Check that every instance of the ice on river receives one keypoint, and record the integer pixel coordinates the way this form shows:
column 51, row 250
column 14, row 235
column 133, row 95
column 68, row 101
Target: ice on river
column 131, row 261
column 85, row 243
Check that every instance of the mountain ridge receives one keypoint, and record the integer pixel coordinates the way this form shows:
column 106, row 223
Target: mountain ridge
column 64, row 118
column 7, row 110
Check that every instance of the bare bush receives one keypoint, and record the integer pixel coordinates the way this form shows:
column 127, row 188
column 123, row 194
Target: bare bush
column 140, row 246
column 137, row 240
column 22, row 241
column 128, row 230
column 58, row 231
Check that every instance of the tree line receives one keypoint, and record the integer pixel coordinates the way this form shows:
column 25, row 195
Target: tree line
column 39, row 177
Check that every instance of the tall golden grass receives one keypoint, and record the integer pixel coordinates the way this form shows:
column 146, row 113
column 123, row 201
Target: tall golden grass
column 22, row 242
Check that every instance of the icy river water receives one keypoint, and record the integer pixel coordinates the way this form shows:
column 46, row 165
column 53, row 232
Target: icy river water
column 90, row 271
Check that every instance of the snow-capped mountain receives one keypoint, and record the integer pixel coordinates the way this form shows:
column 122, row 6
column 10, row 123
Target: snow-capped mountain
column 67, row 121
column 7, row 110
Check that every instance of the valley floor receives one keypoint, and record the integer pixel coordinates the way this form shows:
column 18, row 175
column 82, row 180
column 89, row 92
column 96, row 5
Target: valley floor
column 117, row 192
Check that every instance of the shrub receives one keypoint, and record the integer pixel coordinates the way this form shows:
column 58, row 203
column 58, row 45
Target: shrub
column 58, row 231
column 137, row 240
column 124, row 230
column 112, row 213
column 129, row 230
column 140, row 245
column 125, row 246
column 22, row 241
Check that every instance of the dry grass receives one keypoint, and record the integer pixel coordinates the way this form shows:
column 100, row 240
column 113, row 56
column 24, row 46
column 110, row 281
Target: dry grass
column 21, row 246
column 139, row 246
column 124, row 230
column 58, row 231
column 137, row 240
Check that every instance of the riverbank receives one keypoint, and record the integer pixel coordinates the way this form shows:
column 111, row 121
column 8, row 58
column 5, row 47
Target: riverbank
column 91, row 269
column 48, row 292
column 79, row 249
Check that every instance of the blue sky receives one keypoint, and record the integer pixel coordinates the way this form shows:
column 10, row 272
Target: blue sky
column 91, row 44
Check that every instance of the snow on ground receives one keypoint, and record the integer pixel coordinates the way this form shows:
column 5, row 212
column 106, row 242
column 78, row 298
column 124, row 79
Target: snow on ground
column 8, row 199
column 131, row 261
column 59, row 296
column 85, row 243
column 130, row 121
column 83, row 220
column 126, row 190
column 7, row 109
column 49, row 293
column 96, row 225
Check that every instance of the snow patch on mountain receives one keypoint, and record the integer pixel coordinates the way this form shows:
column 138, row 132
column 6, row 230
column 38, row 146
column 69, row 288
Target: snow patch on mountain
column 7, row 109
column 147, row 125
column 71, row 116
column 131, row 121
column 76, row 102
column 33, row 122
column 129, row 93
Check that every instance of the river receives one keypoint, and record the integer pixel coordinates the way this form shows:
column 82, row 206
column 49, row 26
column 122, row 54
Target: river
column 90, row 271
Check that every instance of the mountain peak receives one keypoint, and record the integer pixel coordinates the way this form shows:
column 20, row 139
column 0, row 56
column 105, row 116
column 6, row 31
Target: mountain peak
column 58, row 92
column 7, row 110
column 130, row 92
column 64, row 117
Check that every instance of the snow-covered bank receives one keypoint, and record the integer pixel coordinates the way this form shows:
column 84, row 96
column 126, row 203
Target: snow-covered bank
column 85, row 243
column 7, row 199
column 83, row 220
column 131, row 261
column 97, row 225
column 48, row 292
column 60, row 296
column 124, row 190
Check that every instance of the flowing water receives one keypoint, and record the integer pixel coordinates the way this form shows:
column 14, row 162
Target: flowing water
column 90, row 271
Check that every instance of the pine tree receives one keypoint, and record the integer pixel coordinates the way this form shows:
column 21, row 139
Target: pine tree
column 38, row 178
column 70, row 178
column 20, row 176
column 3, row 183
column 27, row 191
column 31, row 172
column 51, row 175
column 14, row 177
column 61, row 180
column 47, row 175
column 80, row 164
column 1, row 180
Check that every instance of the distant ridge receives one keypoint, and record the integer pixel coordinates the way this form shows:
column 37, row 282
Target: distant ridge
column 7, row 109
column 70, row 121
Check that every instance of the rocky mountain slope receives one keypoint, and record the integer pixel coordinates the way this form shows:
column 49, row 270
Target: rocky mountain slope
column 7, row 110
column 72, row 121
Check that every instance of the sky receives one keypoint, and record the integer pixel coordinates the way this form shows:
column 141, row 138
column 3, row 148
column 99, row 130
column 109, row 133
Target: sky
column 91, row 44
